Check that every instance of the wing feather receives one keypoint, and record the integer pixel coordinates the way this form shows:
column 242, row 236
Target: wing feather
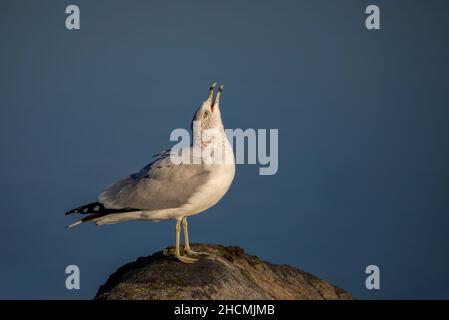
column 159, row 185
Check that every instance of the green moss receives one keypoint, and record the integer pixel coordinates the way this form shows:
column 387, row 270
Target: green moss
column 169, row 251
column 247, row 275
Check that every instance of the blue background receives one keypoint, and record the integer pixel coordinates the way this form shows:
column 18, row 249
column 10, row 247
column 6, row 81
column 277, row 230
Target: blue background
column 363, row 135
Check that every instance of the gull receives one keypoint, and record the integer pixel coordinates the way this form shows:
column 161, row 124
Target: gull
column 177, row 184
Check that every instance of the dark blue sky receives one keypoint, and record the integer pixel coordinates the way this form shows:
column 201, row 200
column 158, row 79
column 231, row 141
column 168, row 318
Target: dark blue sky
column 363, row 135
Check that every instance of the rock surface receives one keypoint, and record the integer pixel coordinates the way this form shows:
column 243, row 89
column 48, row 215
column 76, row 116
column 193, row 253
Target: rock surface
column 227, row 273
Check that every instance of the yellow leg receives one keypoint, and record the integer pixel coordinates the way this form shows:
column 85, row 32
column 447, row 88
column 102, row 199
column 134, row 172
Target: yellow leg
column 186, row 240
column 178, row 238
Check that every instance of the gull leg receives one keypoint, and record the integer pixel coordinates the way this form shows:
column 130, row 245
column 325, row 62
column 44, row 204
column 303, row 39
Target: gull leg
column 178, row 238
column 186, row 240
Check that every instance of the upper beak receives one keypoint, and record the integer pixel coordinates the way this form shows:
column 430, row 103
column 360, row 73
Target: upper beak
column 211, row 91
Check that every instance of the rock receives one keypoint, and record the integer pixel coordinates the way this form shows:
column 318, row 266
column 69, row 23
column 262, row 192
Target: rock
column 227, row 273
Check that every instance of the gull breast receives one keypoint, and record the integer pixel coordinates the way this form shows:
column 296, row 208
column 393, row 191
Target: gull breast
column 220, row 179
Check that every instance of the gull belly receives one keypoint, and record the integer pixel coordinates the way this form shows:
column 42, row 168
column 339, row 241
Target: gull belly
column 211, row 192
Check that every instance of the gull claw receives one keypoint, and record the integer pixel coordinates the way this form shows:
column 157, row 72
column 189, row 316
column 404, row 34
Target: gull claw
column 172, row 252
column 185, row 259
column 196, row 253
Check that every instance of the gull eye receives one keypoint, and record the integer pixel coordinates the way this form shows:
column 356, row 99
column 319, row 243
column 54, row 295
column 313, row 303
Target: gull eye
column 205, row 114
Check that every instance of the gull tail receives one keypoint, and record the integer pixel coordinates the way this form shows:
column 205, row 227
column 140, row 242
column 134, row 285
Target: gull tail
column 88, row 218
column 96, row 211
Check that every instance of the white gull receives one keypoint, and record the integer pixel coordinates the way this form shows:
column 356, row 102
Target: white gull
column 166, row 189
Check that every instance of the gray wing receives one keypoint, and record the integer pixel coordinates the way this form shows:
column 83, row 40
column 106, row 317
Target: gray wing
column 159, row 185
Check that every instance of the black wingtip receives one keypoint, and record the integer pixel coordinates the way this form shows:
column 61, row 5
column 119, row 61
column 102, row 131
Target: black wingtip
column 72, row 211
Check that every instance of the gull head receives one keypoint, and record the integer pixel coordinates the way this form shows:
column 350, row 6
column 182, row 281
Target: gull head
column 208, row 115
